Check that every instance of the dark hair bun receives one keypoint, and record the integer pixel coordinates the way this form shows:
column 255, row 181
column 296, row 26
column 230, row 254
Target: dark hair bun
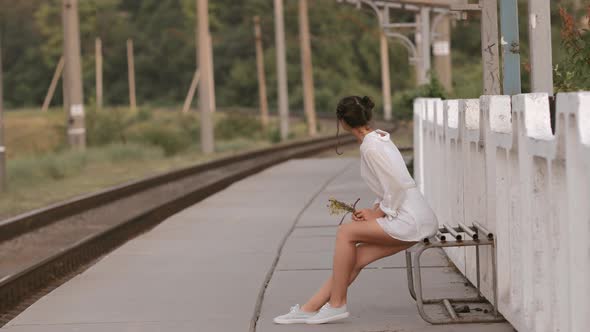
column 367, row 103
column 355, row 111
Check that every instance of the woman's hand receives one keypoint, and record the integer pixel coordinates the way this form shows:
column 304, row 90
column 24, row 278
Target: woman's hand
column 367, row 214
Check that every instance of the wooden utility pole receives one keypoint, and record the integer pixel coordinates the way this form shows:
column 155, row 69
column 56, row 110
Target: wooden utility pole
column 540, row 46
column 191, row 92
column 51, row 91
column 131, row 75
column 307, row 72
column 2, row 148
column 510, row 47
column 98, row 59
column 442, row 52
column 385, row 79
column 261, row 74
column 207, row 138
column 73, row 75
column 489, row 47
column 281, row 69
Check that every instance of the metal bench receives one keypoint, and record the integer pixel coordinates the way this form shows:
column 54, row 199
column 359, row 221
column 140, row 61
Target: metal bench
column 461, row 236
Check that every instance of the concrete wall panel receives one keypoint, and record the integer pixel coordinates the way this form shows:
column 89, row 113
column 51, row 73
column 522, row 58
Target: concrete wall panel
column 495, row 160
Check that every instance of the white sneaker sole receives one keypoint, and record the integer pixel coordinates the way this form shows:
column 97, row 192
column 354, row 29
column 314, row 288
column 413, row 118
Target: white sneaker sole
column 328, row 319
column 290, row 321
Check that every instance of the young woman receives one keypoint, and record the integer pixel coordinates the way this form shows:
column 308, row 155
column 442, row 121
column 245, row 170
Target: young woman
column 399, row 218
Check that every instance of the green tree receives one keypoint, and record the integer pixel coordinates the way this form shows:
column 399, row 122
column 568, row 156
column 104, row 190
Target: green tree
column 573, row 73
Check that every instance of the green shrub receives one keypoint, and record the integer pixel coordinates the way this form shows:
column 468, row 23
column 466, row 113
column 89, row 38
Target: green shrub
column 32, row 170
column 573, row 72
column 189, row 124
column 144, row 115
column 235, row 125
column 110, row 126
column 170, row 139
column 274, row 135
column 29, row 170
column 403, row 103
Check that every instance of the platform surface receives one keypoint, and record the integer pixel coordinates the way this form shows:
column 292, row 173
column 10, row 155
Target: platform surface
column 204, row 269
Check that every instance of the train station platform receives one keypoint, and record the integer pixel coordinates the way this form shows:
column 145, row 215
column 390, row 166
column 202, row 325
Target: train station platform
column 237, row 259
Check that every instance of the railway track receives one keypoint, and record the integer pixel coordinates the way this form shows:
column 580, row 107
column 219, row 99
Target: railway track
column 44, row 248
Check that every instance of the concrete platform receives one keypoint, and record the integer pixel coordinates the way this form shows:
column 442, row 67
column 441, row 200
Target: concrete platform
column 204, row 269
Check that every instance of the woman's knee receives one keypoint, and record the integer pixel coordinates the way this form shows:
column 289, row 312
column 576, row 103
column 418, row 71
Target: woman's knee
column 344, row 233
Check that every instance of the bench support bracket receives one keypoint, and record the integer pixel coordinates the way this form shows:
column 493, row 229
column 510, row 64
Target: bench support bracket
column 415, row 279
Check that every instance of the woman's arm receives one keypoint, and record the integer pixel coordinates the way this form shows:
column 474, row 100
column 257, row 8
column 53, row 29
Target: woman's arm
column 368, row 214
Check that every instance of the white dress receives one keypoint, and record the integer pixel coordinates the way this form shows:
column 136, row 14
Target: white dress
column 408, row 217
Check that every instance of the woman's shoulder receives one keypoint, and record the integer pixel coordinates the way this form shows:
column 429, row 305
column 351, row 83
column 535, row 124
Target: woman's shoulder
column 375, row 138
column 368, row 144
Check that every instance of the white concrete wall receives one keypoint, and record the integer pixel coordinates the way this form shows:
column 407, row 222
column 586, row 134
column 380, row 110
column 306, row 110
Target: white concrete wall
column 495, row 160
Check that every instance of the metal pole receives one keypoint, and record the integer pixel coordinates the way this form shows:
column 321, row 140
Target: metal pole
column 489, row 47
column 207, row 142
column 211, row 74
column 442, row 52
column 385, row 79
column 98, row 59
column 261, row 74
column 281, row 69
column 418, row 63
column 425, row 39
column 307, row 72
column 510, row 47
column 131, row 75
column 2, row 148
column 540, row 46
column 76, row 129
column 53, row 84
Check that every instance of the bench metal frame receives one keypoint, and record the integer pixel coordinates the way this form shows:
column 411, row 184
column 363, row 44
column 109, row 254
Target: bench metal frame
column 476, row 240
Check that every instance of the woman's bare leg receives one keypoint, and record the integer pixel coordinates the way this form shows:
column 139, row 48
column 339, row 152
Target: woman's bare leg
column 345, row 254
column 365, row 255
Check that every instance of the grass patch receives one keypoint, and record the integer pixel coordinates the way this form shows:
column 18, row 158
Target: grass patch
column 121, row 147
column 31, row 132
column 30, row 171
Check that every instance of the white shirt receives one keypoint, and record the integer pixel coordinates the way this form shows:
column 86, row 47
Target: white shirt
column 384, row 170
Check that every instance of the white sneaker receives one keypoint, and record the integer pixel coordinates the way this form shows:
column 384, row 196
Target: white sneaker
column 295, row 316
column 328, row 314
